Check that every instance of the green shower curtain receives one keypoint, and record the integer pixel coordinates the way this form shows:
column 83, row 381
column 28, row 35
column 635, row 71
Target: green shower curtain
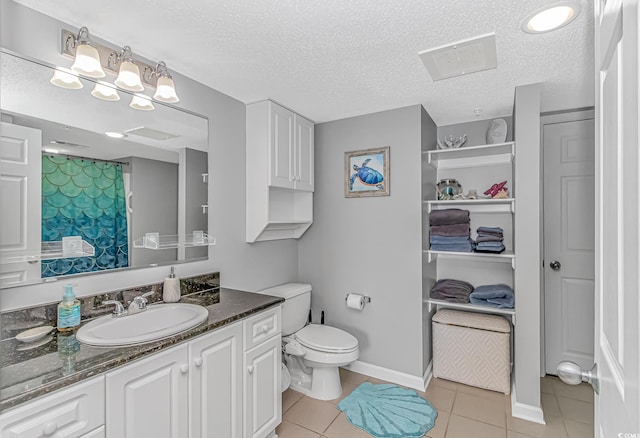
column 82, row 197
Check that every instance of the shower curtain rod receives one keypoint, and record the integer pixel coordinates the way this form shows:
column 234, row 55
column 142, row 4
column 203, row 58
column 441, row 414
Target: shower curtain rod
column 68, row 156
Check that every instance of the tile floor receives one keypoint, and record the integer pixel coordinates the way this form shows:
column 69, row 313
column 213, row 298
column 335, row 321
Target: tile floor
column 463, row 412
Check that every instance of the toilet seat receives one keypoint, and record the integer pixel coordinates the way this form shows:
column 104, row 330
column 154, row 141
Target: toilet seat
column 326, row 339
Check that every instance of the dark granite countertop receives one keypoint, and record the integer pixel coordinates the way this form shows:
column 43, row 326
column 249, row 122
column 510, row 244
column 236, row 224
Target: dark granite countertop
column 63, row 360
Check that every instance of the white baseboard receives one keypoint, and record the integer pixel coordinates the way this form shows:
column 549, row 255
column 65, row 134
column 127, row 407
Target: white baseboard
column 525, row 411
column 428, row 374
column 392, row 376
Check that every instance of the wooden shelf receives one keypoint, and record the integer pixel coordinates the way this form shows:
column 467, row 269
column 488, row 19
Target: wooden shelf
column 472, row 156
column 504, row 257
column 474, row 307
column 506, row 205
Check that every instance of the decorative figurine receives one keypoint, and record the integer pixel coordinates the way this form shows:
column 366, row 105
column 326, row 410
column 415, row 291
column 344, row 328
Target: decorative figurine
column 451, row 142
column 495, row 189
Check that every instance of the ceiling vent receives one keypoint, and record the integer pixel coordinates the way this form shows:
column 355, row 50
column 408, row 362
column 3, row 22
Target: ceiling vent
column 153, row 134
column 461, row 58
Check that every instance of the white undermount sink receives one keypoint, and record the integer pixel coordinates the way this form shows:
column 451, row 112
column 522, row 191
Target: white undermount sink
column 157, row 322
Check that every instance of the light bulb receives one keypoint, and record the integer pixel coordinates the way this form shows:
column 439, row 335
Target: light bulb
column 141, row 102
column 166, row 90
column 63, row 78
column 129, row 77
column 551, row 18
column 88, row 62
column 105, row 91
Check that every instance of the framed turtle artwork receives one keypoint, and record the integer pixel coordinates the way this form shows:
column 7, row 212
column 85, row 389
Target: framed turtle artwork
column 366, row 173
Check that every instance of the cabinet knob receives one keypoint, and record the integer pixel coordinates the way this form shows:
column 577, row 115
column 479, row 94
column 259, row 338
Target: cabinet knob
column 250, row 369
column 198, row 362
column 265, row 328
column 49, row 428
column 184, row 369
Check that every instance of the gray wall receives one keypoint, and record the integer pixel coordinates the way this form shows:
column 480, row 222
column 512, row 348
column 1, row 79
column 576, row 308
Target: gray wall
column 155, row 205
column 476, row 131
column 242, row 265
column 527, row 239
column 196, row 196
column 370, row 246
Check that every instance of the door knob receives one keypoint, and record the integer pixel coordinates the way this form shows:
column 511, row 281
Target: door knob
column 250, row 369
column 184, row 369
column 571, row 374
column 198, row 362
column 555, row 265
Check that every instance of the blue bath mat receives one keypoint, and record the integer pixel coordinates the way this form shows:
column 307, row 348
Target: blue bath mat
column 388, row 411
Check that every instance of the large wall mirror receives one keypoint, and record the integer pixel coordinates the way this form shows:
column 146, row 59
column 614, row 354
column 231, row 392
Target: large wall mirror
column 63, row 178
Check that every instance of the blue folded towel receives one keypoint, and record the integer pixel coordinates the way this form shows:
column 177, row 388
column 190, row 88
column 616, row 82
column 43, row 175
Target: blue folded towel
column 490, row 244
column 458, row 247
column 448, row 240
column 500, row 296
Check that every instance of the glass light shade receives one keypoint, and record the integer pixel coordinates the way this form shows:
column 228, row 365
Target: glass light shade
column 166, row 90
column 129, row 77
column 88, row 62
column 65, row 79
column 141, row 102
column 103, row 91
column 550, row 19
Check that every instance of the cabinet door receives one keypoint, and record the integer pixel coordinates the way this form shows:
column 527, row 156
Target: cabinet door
column 148, row 398
column 304, row 154
column 281, row 154
column 215, row 407
column 262, row 396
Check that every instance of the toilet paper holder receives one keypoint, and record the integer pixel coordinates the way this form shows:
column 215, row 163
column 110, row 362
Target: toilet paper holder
column 366, row 298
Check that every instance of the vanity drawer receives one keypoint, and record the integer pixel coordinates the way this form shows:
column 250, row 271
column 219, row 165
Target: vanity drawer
column 71, row 412
column 261, row 327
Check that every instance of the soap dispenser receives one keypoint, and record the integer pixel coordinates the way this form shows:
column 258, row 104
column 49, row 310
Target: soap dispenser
column 171, row 288
column 68, row 310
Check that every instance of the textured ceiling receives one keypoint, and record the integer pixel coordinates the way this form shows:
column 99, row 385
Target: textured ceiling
column 332, row 59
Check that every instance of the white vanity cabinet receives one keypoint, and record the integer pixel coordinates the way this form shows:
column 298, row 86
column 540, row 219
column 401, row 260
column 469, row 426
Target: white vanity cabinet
column 280, row 177
column 262, row 376
column 149, row 397
column 74, row 412
column 215, row 399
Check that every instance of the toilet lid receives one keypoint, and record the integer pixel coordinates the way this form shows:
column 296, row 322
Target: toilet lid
column 326, row 338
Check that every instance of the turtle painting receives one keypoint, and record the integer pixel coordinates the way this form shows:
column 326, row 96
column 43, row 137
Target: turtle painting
column 367, row 176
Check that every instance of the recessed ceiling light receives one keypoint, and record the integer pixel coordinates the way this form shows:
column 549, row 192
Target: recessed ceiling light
column 115, row 134
column 550, row 18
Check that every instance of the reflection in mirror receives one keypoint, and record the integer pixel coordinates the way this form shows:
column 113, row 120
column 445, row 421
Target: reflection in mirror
column 72, row 164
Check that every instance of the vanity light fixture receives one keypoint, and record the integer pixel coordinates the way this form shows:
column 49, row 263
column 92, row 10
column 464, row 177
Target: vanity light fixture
column 165, row 88
column 141, row 102
column 87, row 58
column 105, row 91
column 129, row 73
column 65, row 78
column 550, row 18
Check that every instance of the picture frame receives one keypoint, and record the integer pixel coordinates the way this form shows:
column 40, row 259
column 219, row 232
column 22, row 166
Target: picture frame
column 366, row 173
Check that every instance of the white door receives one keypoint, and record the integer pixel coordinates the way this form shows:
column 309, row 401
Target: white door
column 568, row 241
column 281, row 160
column 262, row 396
column 149, row 398
column 215, row 407
column 617, row 331
column 304, row 154
column 20, row 202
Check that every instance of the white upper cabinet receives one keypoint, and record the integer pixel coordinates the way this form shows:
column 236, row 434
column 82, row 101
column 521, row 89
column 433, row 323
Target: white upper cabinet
column 279, row 172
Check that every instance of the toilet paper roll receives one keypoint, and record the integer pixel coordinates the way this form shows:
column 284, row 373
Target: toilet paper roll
column 355, row 301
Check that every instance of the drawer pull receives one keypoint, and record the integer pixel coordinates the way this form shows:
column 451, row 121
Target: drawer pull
column 49, row 428
column 250, row 369
column 184, row 369
column 198, row 362
column 265, row 328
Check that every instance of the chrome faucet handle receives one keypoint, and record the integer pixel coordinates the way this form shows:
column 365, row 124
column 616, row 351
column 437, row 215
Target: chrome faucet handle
column 119, row 309
column 140, row 302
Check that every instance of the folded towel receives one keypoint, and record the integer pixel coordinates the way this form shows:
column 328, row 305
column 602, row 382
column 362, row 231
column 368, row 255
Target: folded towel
column 494, row 250
column 449, row 216
column 459, row 247
column 493, row 295
column 490, row 244
column 454, row 291
column 446, row 240
column 490, row 230
column 489, row 238
column 450, row 230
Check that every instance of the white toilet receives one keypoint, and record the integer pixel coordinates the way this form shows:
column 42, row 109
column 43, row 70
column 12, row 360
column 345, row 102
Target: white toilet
column 313, row 352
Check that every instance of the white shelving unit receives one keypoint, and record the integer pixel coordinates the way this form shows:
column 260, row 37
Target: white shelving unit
column 54, row 250
column 466, row 164
column 156, row 241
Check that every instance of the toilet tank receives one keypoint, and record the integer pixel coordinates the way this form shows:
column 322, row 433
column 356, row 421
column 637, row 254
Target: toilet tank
column 296, row 306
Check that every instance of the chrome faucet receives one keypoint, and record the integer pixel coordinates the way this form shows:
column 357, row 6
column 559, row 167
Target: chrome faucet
column 119, row 309
column 139, row 303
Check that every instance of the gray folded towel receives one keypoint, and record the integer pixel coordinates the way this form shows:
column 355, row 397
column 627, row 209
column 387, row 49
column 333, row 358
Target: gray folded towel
column 449, row 216
column 454, row 291
column 450, row 230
